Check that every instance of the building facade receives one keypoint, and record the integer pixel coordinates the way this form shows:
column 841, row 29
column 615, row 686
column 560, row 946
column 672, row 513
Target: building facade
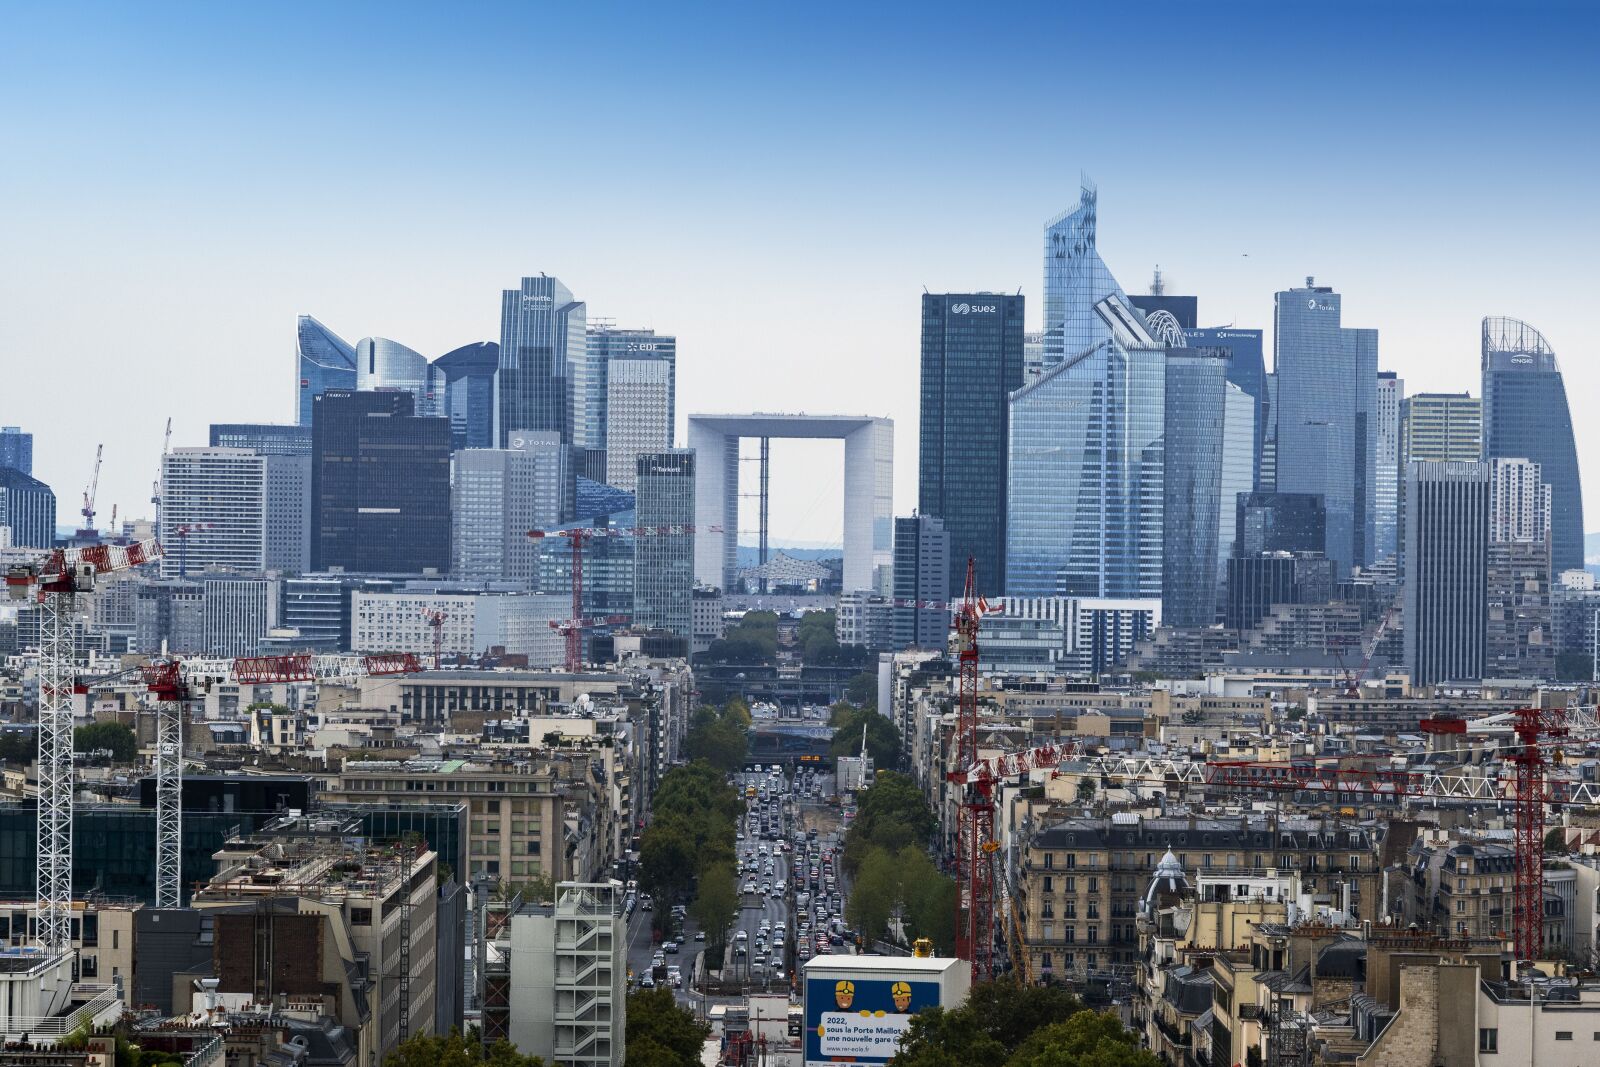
column 922, row 569
column 971, row 363
column 663, row 568
column 1519, row 501
column 385, row 366
column 1241, row 353
column 219, row 495
column 1034, row 635
column 638, row 415
column 467, row 375
column 865, row 618
column 27, row 510
column 1447, row 533
column 1441, row 428
column 541, row 346
column 323, row 361
column 569, row 977
column 605, row 343
column 265, row 438
column 16, row 449
column 1075, row 281
column 471, row 623
column 498, row 495
column 1386, row 502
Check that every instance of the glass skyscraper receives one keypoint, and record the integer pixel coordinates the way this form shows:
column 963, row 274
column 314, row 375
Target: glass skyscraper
column 1192, row 485
column 468, row 374
column 324, row 361
column 921, row 583
column 1447, row 538
column 1075, row 281
column 1386, row 519
column 605, row 343
column 27, row 509
column 1326, row 417
column 1525, row 415
column 16, row 449
column 972, row 354
column 1243, row 351
column 663, row 571
column 542, row 358
column 383, row 365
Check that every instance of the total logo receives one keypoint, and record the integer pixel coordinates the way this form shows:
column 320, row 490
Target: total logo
column 973, row 309
column 1319, row 305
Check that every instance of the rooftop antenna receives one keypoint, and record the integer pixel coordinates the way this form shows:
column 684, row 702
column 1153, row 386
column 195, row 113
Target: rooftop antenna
column 1158, row 286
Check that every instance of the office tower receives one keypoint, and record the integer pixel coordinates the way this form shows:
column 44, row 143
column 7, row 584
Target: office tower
column 1075, row 282
column 541, row 339
column 27, row 510
column 16, row 449
column 264, row 438
column 1028, row 635
column 1525, row 415
column 1241, row 349
column 569, row 977
column 1032, row 355
column 380, row 485
column 324, row 361
column 1184, row 310
column 1238, row 471
column 1259, row 583
column 663, row 569
column 385, row 366
column 1196, row 405
column 220, row 496
column 971, row 362
column 638, row 415
column 498, row 495
column 1447, row 533
column 1267, row 470
column 1085, row 494
column 604, row 345
column 1441, row 428
column 288, row 513
column 468, row 377
column 1386, row 501
column 1520, row 638
column 921, row 583
column 1520, row 502
column 236, row 614
column 1326, row 416
column 1280, row 522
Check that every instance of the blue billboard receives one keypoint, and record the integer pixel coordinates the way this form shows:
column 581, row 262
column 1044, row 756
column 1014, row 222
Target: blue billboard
column 853, row 1020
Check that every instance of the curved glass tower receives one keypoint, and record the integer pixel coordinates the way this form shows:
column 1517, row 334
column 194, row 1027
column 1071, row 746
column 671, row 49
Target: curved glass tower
column 1076, row 279
column 1525, row 416
column 324, row 361
column 383, row 365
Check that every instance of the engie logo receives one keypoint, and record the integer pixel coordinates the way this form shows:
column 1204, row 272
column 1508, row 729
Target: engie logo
column 973, row 309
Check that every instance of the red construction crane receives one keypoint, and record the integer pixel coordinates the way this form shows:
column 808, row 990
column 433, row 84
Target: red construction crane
column 183, row 533
column 1352, row 682
column 1012, row 764
column 1540, row 734
column 306, row 667
column 577, row 535
column 436, row 618
column 975, row 843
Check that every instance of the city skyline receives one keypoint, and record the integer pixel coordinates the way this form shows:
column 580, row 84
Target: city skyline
column 423, row 255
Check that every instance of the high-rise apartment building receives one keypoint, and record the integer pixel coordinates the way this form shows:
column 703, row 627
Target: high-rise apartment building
column 16, row 449
column 27, row 510
column 921, row 582
column 380, row 485
column 265, row 438
column 638, row 415
column 1441, row 428
column 971, row 362
column 541, row 347
column 1447, row 534
column 1087, row 458
column 497, row 496
column 220, row 496
column 1519, row 501
column 1525, row 415
column 384, row 366
column 1386, row 516
column 468, row 376
column 663, row 570
column 323, row 361
column 604, row 345
column 1326, row 416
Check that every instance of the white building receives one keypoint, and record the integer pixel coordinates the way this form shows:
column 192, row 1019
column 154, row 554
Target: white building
column 866, row 619
column 472, row 623
column 1029, row 635
column 497, row 495
column 569, row 973
column 705, row 610
column 1519, row 502
column 236, row 614
column 288, row 519
column 219, row 495
column 638, row 415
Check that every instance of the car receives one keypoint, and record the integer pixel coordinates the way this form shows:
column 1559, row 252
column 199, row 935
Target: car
column 659, row 959
column 777, row 972
column 669, row 947
column 699, row 935
column 647, row 981
column 738, row 950
column 835, row 939
column 741, row 936
column 766, row 887
column 647, row 904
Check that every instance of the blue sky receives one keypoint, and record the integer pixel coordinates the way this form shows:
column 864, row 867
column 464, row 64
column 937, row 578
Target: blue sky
column 775, row 185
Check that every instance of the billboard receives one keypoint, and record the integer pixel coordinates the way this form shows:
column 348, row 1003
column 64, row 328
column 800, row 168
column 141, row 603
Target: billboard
column 861, row 1020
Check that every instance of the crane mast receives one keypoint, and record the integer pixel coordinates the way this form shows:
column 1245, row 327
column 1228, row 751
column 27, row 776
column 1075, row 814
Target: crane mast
column 975, row 817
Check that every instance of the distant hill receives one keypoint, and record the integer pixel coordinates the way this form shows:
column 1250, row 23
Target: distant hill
column 750, row 555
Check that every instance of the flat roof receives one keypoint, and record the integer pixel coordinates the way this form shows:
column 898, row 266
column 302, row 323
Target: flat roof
column 898, row 964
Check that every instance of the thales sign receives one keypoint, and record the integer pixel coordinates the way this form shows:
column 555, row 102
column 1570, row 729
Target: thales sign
column 973, row 309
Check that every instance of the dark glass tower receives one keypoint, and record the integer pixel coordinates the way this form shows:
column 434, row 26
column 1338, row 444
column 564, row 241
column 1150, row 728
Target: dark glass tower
column 1192, row 485
column 921, row 577
column 16, row 449
column 541, row 345
column 324, row 361
column 469, row 393
column 971, row 361
column 380, row 485
column 1525, row 415
column 664, row 563
column 1446, row 596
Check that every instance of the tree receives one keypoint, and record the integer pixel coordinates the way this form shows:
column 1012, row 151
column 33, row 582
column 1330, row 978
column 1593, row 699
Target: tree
column 1088, row 1039
column 883, row 740
column 891, row 814
column 118, row 738
column 1555, row 840
column 1086, row 788
column 928, row 898
column 660, row 1033
column 720, row 736
column 18, row 746
column 874, row 894
column 715, row 903
column 455, row 1050
column 996, row 1020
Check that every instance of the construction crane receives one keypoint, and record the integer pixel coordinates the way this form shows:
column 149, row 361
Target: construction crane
column 183, row 533
column 436, row 619
column 1352, row 683
column 55, row 581
column 307, row 667
column 1540, row 734
column 975, row 843
column 1012, row 764
column 88, row 532
column 155, row 487
column 577, row 535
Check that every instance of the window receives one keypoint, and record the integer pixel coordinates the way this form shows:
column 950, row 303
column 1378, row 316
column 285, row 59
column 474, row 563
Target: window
column 1563, row 1035
column 360, row 916
column 1049, row 860
column 1047, row 884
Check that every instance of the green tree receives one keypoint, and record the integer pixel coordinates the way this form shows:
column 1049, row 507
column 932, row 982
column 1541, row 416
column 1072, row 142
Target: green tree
column 118, row 738
column 720, row 736
column 874, row 894
column 18, row 746
column 890, row 815
column 862, row 689
column 455, row 1050
column 660, row 1033
column 985, row 1031
column 715, row 904
column 1555, row 840
column 1088, row 1039
column 883, row 740
column 666, row 862
column 928, row 899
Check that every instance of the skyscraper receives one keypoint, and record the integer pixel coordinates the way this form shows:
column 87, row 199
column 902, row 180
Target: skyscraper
column 1239, row 453
column 1520, row 640
column 323, row 360
column 541, row 342
column 1441, row 428
column 921, row 577
column 1447, row 533
column 1525, row 415
column 264, row 438
column 16, row 449
column 1076, row 280
column 1519, row 501
column 1242, row 351
column 220, row 494
column 1084, row 505
column 383, row 365
column 638, row 417
column 380, row 482
column 468, row 374
column 663, row 571
column 497, row 496
column 971, row 361
column 1326, row 416
column 1196, row 408
column 288, row 512
column 604, row 344
column 27, row 510
column 1280, row 522
column 1386, row 516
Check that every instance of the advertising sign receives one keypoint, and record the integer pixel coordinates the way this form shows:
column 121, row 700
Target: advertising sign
column 856, row 1020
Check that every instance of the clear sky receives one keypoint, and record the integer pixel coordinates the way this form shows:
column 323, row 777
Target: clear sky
column 774, row 184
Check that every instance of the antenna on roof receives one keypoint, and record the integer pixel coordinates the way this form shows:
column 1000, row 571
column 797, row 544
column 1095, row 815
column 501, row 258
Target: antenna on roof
column 1158, row 286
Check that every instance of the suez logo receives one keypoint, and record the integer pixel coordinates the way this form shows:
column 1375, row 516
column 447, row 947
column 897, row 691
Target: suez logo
column 974, row 309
